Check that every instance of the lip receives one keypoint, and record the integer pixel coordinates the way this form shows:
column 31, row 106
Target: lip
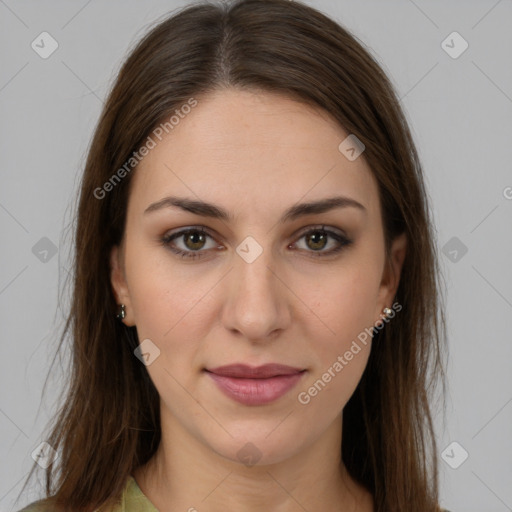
column 244, row 371
column 255, row 385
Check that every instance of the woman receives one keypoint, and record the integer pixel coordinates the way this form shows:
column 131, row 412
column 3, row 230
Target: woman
column 255, row 316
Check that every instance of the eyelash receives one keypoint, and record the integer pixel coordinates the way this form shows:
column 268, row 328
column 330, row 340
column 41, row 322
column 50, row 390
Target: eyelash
column 167, row 239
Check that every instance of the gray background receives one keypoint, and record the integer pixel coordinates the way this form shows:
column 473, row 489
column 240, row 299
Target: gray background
column 460, row 112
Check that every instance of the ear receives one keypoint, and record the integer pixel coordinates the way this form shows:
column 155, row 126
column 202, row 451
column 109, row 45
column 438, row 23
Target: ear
column 391, row 275
column 119, row 285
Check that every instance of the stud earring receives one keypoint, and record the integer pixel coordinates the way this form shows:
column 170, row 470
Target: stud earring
column 121, row 312
column 387, row 312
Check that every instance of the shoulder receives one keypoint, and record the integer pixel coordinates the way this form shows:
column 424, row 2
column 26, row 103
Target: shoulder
column 132, row 500
column 39, row 506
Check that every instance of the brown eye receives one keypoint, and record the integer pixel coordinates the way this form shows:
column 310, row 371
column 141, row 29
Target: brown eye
column 194, row 240
column 316, row 240
column 191, row 242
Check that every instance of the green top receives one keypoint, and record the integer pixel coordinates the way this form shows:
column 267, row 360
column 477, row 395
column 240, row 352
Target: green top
column 132, row 500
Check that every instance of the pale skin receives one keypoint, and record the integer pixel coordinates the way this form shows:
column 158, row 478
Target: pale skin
column 254, row 155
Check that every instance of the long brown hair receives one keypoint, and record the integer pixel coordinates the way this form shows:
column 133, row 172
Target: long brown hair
column 109, row 420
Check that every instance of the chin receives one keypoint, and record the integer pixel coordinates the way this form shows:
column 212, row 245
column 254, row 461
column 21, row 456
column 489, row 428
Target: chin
column 255, row 447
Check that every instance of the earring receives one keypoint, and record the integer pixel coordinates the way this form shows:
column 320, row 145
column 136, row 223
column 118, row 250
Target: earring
column 387, row 311
column 121, row 312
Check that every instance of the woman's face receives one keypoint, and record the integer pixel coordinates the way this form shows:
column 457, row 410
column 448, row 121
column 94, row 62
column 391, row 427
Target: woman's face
column 256, row 286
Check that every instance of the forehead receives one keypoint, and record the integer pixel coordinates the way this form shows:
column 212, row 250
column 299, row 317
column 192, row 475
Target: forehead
column 249, row 151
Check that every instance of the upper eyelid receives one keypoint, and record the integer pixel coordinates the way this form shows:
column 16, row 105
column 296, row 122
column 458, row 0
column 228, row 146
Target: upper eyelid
column 298, row 234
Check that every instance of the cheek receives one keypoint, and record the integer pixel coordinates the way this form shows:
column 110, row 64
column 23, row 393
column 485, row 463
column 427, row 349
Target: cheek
column 343, row 305
column 169, row 310
column 166, row 299
column 341, row 352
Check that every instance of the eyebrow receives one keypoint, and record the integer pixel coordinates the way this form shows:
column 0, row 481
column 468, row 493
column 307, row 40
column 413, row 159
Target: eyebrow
column 217, row 212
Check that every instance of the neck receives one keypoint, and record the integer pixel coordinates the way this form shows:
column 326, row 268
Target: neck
column 185, row 474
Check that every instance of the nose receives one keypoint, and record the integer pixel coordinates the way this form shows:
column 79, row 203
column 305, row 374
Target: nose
column 257, row 303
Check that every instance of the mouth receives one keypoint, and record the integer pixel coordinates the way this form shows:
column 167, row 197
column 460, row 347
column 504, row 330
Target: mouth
column 243, row 371
column 255, row 385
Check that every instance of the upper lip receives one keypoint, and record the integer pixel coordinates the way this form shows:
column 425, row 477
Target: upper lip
column 254, row 372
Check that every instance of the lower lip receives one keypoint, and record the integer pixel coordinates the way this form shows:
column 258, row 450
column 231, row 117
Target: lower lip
column 256, row 391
